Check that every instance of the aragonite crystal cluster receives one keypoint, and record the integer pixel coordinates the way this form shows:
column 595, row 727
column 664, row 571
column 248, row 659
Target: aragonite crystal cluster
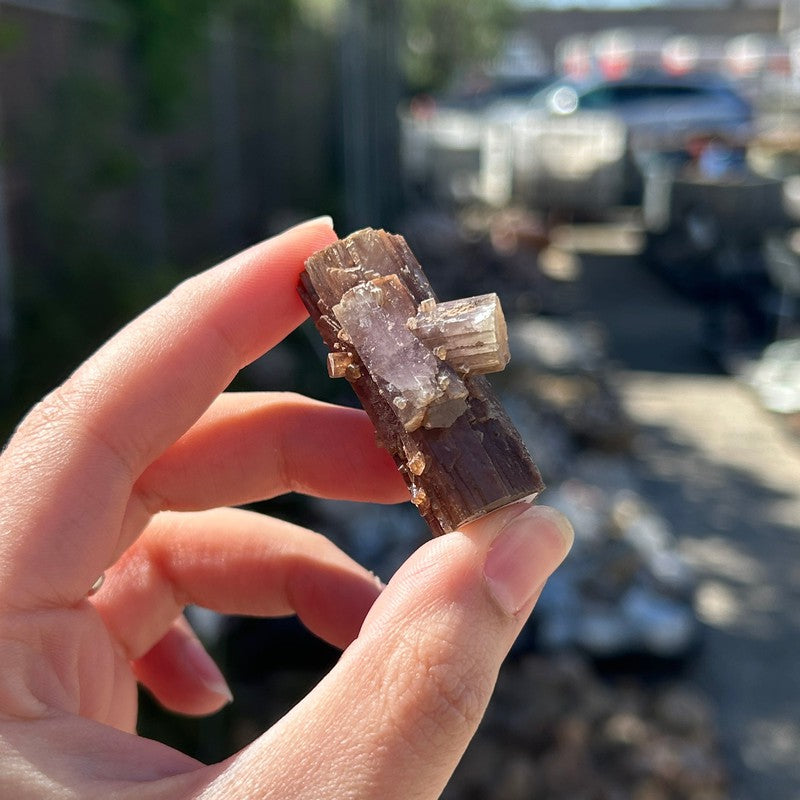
column 417, row 367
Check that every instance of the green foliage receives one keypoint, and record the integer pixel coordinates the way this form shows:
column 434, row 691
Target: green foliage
column 64, row 316
column 77, row 280
column 165, row 40
column 160, row 36
column 74, row 148
column 83, row 266
column 269, row 21
column 445, row 37
column 11, row 36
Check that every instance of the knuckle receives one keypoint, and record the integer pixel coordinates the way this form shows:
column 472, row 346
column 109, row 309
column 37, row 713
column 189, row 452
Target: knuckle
column 69, row 404
column 50, row 411
column 231, row 346
column 151, row 499
column 67, row 416
column 442, row 694
column 457, row 699
column 53, row 413
column 196, row 291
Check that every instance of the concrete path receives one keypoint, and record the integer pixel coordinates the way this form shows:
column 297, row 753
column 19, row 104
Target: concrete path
column 726, row 474
column 728, row 478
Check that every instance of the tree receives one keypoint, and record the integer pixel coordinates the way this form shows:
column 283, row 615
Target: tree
column 445, row 37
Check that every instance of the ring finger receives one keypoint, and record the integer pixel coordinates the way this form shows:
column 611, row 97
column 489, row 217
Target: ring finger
column 234, row 562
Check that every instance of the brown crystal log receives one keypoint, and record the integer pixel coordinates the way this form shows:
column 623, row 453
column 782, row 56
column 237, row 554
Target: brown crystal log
column 455, row 446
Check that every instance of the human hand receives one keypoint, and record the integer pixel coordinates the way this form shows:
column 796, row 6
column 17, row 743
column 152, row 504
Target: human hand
column 125, row 470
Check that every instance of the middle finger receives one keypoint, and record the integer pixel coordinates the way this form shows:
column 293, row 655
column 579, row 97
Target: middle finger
column 234, row 562
column 253, row 446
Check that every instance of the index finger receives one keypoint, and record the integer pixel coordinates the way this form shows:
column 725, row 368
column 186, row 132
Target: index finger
column 68, row 471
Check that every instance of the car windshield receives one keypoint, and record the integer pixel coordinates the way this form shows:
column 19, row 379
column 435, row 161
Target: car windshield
column 629, row 94
column 478, row 97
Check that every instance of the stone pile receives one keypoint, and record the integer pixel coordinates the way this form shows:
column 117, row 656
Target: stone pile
column 624, row 590
column 775, row 377
column 555, row 731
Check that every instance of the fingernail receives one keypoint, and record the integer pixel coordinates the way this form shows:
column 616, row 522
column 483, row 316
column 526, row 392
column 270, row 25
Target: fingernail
column 206, row 670
column 378, row 582
column 524, row 554
column 325, row 220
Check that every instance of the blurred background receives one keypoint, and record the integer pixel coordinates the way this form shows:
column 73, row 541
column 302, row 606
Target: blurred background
column 625, row 175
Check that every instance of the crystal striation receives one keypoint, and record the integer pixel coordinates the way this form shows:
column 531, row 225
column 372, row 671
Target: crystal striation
column 470, row 334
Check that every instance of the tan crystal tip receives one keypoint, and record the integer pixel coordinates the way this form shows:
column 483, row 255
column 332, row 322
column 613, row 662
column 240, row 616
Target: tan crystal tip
column 470, row 334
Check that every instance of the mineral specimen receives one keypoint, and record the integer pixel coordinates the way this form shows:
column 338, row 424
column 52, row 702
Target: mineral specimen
column 417, row 367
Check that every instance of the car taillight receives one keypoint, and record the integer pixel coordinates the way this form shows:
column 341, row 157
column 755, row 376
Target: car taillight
column 422, row 107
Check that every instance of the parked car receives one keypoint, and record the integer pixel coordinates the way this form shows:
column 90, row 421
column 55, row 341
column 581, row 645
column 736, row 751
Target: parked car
column 441, row 136
column 563, row 144
column 589, row 145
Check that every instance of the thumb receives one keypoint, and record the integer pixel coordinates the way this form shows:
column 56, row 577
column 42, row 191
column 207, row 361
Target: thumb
column 395, row 715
